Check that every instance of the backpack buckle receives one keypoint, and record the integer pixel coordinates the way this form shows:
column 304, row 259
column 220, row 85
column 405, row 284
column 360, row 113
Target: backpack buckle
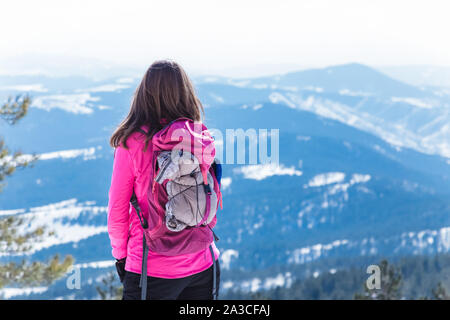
column 207, row 189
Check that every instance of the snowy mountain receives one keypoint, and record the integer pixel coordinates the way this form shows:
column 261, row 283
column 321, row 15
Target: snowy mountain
column 421, row 75
column 364, row 170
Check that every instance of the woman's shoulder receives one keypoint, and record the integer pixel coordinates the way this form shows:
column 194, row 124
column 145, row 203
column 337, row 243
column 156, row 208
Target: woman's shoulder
column 136, row 140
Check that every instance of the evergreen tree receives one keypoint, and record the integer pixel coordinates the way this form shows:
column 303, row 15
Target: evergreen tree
column 391, row 283
column 440, row 293
column 110, row 290
column 11, row 112
column 13, row 240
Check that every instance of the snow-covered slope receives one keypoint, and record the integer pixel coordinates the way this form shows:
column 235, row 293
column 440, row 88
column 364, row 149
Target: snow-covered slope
column 364, row 170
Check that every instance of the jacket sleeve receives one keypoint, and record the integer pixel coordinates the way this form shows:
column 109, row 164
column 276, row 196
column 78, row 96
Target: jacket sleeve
column 120, row 192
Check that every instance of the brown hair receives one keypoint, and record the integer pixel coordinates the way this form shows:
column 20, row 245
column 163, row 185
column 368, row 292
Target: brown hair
column 165, row 92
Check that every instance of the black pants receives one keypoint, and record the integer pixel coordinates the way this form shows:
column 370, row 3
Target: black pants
column 198, row 286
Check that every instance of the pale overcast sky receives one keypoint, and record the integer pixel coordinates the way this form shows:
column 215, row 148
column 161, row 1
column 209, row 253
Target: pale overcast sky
column 228, row 37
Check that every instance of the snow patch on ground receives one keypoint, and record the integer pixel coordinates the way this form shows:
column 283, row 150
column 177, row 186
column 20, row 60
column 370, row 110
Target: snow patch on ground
column 227, row 256
column 263, row 171
column 413, row 101
column 38, row 87
column 86, row 153
column 106, row 88
column 325, row 179
column 421, row 242
column 96, row 264
column 69, row 220
column 81, row 103
column 8, row 293
column 431, row 137
column 256, row 284
column 225, row 183
column 347, row 92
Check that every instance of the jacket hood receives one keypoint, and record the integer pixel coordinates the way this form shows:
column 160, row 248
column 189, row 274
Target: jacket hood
column 186, row 135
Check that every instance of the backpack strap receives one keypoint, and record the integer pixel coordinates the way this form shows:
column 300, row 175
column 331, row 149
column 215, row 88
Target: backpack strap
column 143, row 280
column 144, row 224
column 214, row 290
column 136, row 207
column 217, row 168
column 141, row 131
column 208, row 204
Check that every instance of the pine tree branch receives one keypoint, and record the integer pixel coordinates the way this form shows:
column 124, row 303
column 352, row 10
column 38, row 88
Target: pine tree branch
column 14, row 236
column 35, row 273
column 15, row 108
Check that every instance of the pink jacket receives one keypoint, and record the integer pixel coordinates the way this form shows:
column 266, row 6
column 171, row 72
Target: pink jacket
column 132, row 170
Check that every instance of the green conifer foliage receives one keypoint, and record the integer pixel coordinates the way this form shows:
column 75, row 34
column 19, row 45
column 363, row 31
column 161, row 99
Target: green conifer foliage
column 14, row 238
